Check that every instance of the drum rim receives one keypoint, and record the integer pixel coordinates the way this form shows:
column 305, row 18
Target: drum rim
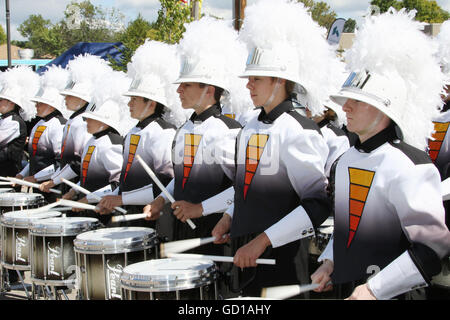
column 10, row 202
column 188, row 279
column 49, row 228
column 136, row 243
column 23, row 223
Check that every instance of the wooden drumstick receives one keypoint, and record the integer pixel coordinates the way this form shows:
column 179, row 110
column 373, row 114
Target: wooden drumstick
column 86, row 192
column 31, row 184
column 214, row 258
column 128, row 217
column 6, row 183
column 183, row 245
column 160, row 185
column 76, row 204
column 285, row 292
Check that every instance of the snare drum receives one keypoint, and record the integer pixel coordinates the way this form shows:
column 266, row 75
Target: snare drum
column 170, row 279
column 102, row 254
column 323, row 235
column 52, row 254
column 15, row 237
column 20, row 201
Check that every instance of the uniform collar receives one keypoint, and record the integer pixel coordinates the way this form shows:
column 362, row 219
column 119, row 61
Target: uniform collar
column 270, row 117
column 389, row 134
column 104, row 132
column 79, row 111
column 323, row 123
column 5, row 115
column 143, row 123
column 51, row 115
column 214, row 110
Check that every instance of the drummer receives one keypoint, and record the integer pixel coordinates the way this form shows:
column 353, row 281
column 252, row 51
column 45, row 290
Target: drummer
column 18, row 84
column 204, row 146
column 280, row 184
column 389, row 229
column 107, row 118
column 84, row 69
column 157, row 108
column 44, row 145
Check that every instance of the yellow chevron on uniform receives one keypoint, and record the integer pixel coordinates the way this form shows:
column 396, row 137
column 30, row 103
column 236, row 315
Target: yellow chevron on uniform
column 191, row 143
column 86, row 160
column 37, row 135
column 134, row 142
column 255, row 148
column 435, row 145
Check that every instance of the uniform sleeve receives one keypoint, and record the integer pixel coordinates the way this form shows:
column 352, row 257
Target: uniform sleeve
column 25, row 171
column 219, row 202
column 66, row 173
column 416, row 196
column 141, row 196
column 94, row 197
column 9, row 130
column 304, row 156
column 45, row 174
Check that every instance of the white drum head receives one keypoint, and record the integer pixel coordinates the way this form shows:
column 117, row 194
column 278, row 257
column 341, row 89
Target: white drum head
column 23, row 219
column 63, row 226
column 20, row 199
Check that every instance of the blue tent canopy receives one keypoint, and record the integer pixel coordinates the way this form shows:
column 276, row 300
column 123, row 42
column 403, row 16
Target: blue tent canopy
column 102, row 49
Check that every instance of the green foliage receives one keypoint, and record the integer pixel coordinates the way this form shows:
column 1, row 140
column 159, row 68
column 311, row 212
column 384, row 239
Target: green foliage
column 320, row 12
column 427, row 10
column 172, row 16
column 350, row 25
column 2, row 35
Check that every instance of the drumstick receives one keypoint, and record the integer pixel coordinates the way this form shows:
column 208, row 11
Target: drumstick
column 160, row 185
column 128, row 217
column 214, row 258
column 86, row 192
column 183, row 245
column 6, row 183
column 76, row 204
column 445, row 189
column 30, row 184
column 285, row 292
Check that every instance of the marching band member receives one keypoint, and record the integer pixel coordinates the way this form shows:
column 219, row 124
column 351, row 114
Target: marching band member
column 204, row 146
column 280, row 184
column 107, row 119
column 18, row 84
column 389, row 231
column 44, row 145
column 84, row 70
column 154, row 103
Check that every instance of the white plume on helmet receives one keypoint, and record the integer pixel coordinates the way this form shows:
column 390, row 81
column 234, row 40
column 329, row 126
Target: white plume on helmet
column 396, row 72
column 85, row 69
column 154, row 67
column 109, row 105
column 52, row 82
column 285, row 42
column 210, row 53
column 443, row 39
column 19, row 84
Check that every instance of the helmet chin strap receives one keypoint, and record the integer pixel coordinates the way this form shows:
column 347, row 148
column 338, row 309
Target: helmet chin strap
column 198, row 104
column 274, row 92
column 375, row 122
column 141, row 116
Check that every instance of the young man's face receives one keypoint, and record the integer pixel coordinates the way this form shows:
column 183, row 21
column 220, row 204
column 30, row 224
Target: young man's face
column 362, row 118
column 6, row 106
column 43, row 109
column 74, row 103
column 139, row 108
column 94, row 126
column 261, row 89
column 190, row 94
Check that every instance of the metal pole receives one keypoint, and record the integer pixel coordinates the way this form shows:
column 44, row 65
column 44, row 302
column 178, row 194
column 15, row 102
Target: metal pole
column 238, row 13
column 8, row 35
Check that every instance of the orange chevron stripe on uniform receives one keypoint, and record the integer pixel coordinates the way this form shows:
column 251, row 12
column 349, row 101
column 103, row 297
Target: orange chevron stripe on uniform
column 360, row 183
column 255, row 148
column 435, row 145
column 191, row 142
column 37, row 135
column 86, row 160
column 230, row 115
column 65, row 139
column 134, row 141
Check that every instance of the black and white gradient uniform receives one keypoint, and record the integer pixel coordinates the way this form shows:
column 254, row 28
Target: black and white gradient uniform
column 388, row 216
column 75, row 137
column 203, row 161
column 280, row 189
column 337, row 142
column 44, row 147
column 13, row 134
column 151, row 139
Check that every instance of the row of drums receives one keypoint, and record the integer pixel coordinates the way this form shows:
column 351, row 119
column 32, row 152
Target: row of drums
column 99, row 263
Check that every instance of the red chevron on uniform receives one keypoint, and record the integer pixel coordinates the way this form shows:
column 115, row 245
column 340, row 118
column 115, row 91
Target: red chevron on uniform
column 435, row 145
column 37, row 135
column 134, row 142
column 255, row 148
column 191, row 143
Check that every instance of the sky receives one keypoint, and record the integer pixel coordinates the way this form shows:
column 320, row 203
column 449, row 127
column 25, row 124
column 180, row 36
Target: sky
column 53, row 10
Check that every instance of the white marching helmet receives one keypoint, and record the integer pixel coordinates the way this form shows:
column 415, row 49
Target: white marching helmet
column 52, row 82
column 84, row 72
column 19, row 84
column 394, row 69
column 109, row 105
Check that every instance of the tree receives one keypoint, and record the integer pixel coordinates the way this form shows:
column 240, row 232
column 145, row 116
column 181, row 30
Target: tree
column 2, row 35
column 427, row 10
column 37, row 30
column 350, row 25
column 320, row 12
column 172, row 16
